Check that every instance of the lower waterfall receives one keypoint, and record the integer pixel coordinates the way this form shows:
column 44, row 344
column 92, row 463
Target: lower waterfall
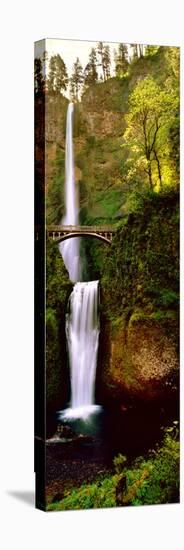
column 82, row 331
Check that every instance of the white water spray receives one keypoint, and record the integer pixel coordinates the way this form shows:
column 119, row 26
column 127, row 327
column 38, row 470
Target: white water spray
column 82, row 322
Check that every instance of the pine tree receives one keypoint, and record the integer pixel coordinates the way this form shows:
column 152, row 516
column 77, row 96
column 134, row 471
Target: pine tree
column 90, row 72
column 76, row 80
column 105, row 60
column 134, row 51
column 100, row 50
column 52, row 72
column 38, row 76
column 44, row 63
column 58, row 78
column 121, row 60
column 61, row 78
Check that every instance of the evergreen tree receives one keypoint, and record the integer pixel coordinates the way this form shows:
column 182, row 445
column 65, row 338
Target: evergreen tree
column 104, row 59
column 72, row 89
column 61, row 79
column 76, row 80
column 100, row 50
column 107, row 62
column 121, row 60
column 52, row 72
column 44, row 63
column 90, row 73
column 134, row 51
column 58, row 78
column 38, row 76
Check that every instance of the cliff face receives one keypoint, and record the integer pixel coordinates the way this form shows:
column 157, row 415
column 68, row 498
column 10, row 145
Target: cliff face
column 58, row 288
column 139, row 289
column 103, row 108
column 138, row 359
column 97, row 133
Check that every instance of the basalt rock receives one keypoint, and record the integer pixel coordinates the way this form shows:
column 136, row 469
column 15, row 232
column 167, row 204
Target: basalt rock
column 138, row 360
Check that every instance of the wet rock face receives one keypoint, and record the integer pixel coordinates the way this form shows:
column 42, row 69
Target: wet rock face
column 55, row 119
column 153, row 354
column 104, row 124
column 142, row 360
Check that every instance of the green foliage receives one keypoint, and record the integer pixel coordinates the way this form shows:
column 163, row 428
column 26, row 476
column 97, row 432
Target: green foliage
column 57, row 77
column 168, row 298
column 146, row 132
column 109, row 173
column 161, row 155
column 104, row 59
column 121, row 60
column 140, row 269
column 124, row 169
column 96, row 495
column 119, row 462
column 148, row 480
column 139, row 272
column 79, row 123
column 55, row 192
column 162, row 482
column 91, row 73
column 57, row 281
column 151, row 50
column 58, row 288
column 38, row 76
column 76, row 80
column 143, row 259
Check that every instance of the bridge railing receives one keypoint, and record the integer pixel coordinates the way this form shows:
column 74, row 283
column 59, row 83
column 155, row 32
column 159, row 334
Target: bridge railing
column 81, row 228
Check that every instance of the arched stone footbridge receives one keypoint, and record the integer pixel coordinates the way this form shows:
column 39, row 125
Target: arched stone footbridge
column 60, row 233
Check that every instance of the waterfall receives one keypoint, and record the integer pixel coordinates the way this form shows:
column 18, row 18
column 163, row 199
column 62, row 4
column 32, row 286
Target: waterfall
column 82, row 330
column 70, row 249
column 82, row 321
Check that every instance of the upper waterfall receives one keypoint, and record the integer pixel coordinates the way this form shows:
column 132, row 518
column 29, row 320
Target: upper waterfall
column 70, row 249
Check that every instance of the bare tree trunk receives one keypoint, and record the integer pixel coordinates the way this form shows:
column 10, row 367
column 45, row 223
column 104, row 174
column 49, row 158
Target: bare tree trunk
column 104, row 71
column 150, row 175
column 159, row 168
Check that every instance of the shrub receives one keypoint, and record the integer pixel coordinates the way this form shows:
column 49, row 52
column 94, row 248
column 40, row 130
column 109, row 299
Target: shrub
column 149, row 480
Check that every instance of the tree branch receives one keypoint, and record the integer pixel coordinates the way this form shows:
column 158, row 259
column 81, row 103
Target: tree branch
column 155, row 135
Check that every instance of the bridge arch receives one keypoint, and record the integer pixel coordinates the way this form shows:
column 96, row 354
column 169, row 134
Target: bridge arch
column 61, row 233
column 67, row 236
